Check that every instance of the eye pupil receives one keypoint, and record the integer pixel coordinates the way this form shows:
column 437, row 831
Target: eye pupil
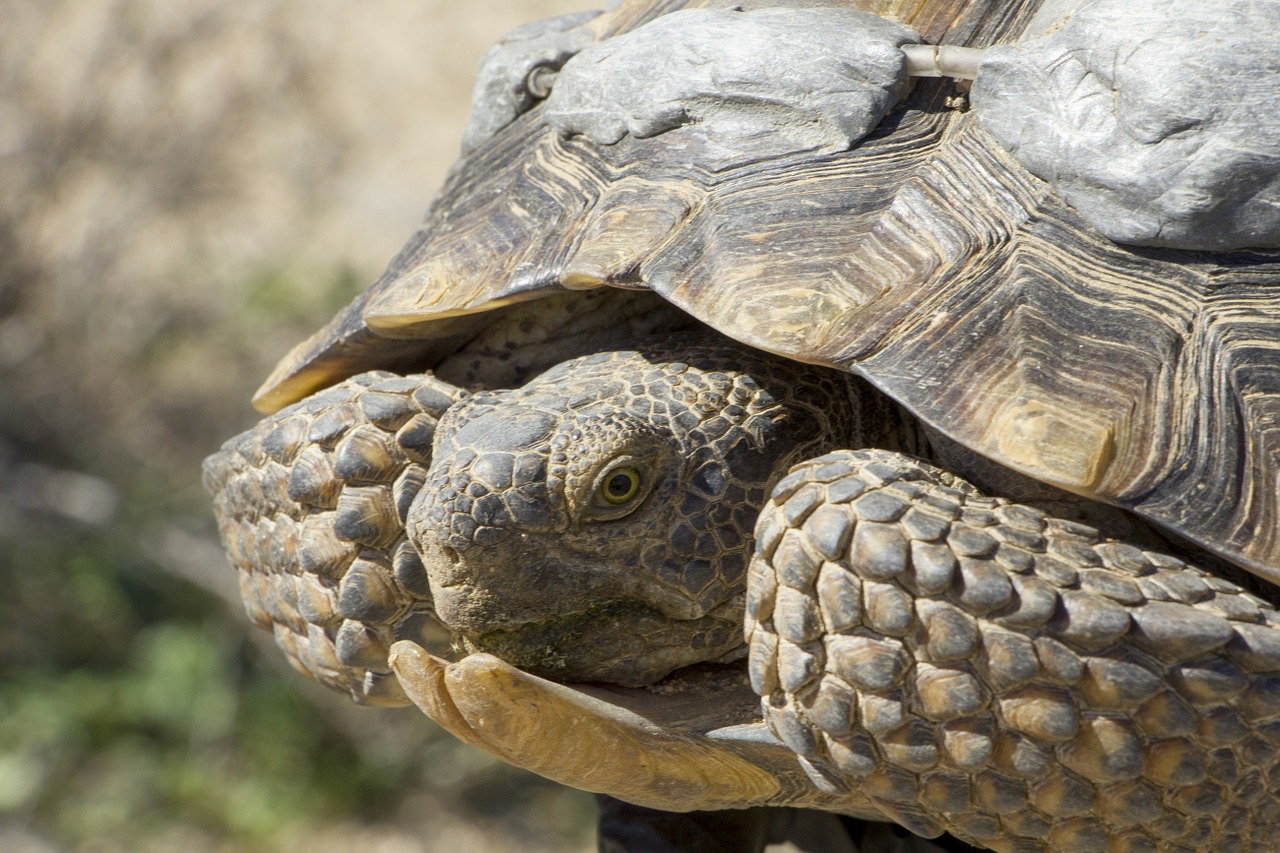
column 621, row 486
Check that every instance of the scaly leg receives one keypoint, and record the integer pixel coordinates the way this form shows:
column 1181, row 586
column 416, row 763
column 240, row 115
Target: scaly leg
column 311, row 505
column 974, row 666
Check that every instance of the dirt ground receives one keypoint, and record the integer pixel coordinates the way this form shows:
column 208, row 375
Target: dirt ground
column 186, row 190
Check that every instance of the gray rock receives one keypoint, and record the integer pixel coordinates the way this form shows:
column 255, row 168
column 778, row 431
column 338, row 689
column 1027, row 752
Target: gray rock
column 767, row 82
column 1158, row 121
column 502, row 90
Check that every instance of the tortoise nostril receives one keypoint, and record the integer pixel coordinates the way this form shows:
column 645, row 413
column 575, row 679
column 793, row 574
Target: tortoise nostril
column 451, row 554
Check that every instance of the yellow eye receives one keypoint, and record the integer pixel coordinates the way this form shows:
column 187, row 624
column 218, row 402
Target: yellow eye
column 620, row 485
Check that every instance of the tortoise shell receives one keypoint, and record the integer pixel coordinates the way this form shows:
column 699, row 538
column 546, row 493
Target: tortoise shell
column 924, row 258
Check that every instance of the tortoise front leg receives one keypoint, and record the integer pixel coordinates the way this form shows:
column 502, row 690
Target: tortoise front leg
column 311, row 505
column 1022, row 682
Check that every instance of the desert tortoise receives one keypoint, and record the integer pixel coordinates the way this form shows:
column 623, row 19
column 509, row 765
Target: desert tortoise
column 1017, row 586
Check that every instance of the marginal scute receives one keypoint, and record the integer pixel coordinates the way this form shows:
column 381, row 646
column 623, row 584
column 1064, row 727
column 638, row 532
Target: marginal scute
column 630, row 221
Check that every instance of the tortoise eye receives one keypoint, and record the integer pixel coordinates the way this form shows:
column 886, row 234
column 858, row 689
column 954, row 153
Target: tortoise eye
column 620, row 485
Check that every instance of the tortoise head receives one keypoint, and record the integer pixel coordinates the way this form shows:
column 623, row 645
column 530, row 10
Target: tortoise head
column 596, row 523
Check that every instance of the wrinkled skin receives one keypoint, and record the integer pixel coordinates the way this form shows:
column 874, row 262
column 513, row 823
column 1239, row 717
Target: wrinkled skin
column 595, row 524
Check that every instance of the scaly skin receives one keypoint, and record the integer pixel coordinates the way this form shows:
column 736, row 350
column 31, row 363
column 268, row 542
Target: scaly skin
column 529, row 558
column 311, row 505
column 1022, row 682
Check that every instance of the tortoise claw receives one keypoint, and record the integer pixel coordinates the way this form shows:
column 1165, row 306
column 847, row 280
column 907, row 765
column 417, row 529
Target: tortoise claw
column 422, row 675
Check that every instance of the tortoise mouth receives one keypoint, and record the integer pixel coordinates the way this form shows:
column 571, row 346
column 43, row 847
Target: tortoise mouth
column 621, row 642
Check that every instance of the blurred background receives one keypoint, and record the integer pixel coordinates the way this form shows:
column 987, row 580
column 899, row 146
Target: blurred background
column 186, row 190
